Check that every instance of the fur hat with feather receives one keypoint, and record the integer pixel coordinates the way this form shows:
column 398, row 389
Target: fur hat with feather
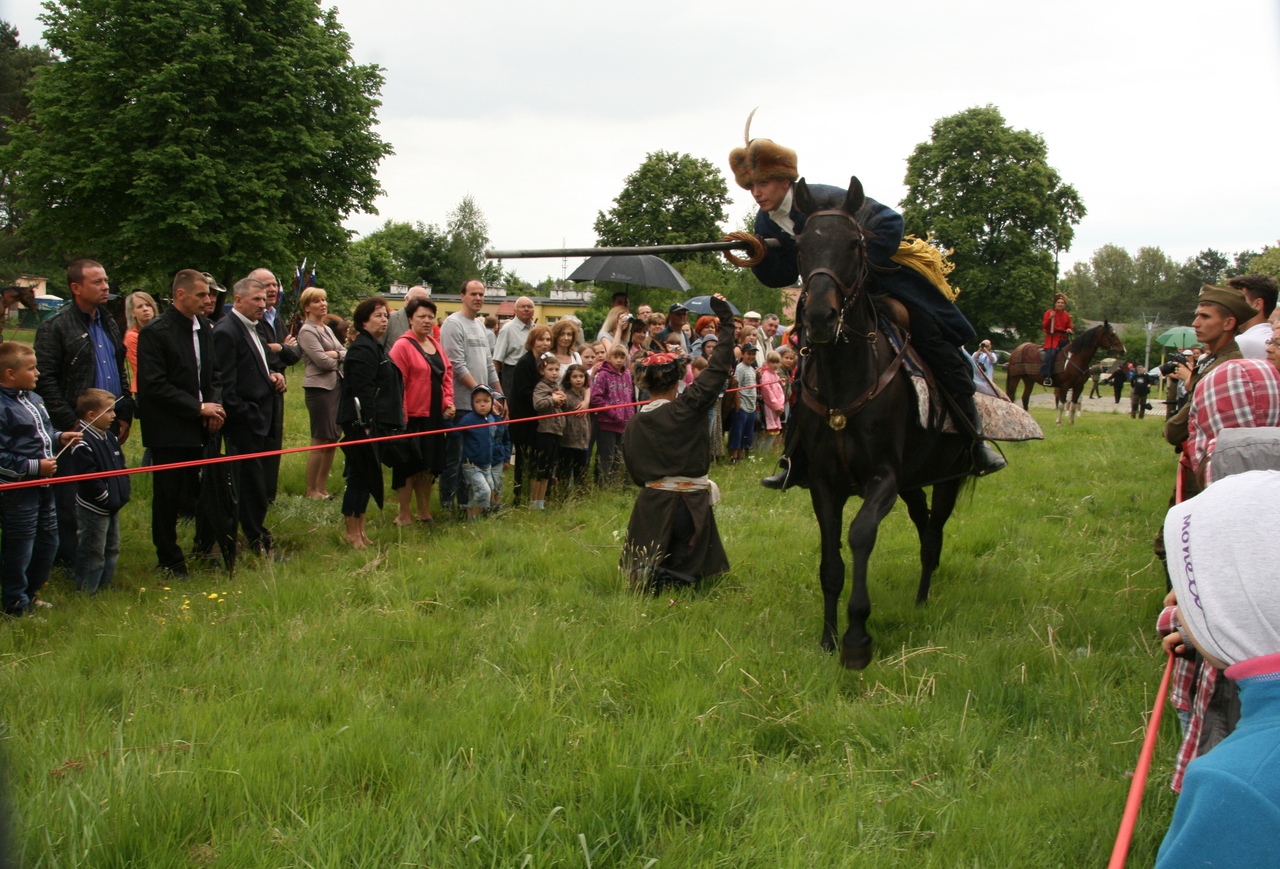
column 761, row 160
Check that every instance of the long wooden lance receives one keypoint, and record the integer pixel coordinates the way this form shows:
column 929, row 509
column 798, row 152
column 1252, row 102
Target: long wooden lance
column 730, row 244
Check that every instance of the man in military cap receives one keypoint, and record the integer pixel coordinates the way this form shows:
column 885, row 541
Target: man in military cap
column 1219, row 314
column 938, row 328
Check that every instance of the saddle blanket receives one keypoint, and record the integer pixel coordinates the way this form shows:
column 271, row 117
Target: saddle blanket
column 1002, row 420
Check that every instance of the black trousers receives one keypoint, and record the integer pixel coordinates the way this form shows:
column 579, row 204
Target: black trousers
column 173, row 492
column 950, row 367
column 254, row 495
column 274, row 441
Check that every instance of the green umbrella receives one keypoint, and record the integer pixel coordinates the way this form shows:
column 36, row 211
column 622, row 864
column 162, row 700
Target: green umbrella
column 1180, row 337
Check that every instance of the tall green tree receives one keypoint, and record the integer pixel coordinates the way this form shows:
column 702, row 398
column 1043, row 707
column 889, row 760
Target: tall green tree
column 468, row 236
column 1267, row 262
column 987, row 192
column 19, row 65
column 1211, row 265
column 209, row 133
column 671, row 199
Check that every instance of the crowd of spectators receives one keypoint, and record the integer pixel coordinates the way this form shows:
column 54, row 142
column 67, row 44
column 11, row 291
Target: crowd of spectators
column 480, row 397
column 1221, row 619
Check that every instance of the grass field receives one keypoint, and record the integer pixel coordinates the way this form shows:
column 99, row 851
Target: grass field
column 491, row 695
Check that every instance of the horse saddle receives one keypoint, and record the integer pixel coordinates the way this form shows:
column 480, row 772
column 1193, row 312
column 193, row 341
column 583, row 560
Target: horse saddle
column 1002, row 419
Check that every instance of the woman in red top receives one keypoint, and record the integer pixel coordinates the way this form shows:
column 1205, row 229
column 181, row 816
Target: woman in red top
column 139, row 309
column 1057, row 332
column 428, row 403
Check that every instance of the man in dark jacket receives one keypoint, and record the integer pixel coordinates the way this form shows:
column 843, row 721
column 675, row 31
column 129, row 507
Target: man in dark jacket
column 180, row 394
column 938, row 328
column 249, row 387
column 282, row 351
column 80, row 348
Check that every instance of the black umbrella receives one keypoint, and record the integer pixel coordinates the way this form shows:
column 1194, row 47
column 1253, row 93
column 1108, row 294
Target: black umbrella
column 218, row 506
column 701, row 305
column 643, row 270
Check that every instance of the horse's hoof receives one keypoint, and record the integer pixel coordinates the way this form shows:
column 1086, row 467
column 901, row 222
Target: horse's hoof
column 828, row 644
column 855, row 659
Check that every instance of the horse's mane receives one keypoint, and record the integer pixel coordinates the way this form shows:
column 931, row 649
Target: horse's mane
column 1086, row 338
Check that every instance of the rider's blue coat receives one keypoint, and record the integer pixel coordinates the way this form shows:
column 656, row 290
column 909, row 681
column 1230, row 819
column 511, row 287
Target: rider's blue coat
column 884, row 228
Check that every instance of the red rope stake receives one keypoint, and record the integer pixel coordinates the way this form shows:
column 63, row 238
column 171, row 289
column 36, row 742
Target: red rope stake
column 1125, row 837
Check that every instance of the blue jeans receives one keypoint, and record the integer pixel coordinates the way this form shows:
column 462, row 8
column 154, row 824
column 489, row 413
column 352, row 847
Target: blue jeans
column 480, row 482
column 743, row 430
column 28, row 544
column 97, row 549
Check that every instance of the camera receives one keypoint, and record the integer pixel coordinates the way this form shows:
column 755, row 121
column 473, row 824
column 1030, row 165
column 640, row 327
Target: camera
column 1175, row 359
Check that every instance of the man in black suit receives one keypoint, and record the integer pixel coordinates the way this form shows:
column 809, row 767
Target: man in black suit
column 249, row 388
column 282, row 351
column 180, row 394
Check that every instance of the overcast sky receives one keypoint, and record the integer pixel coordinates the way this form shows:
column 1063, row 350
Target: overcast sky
column 1164, row 116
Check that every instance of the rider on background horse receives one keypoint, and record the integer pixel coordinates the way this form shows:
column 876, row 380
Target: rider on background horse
column 938, row 329
column 1058, row 329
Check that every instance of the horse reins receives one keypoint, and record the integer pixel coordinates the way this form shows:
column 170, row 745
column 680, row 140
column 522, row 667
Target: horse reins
column 838, row 419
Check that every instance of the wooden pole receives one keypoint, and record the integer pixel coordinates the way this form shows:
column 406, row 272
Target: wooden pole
column 625, row 251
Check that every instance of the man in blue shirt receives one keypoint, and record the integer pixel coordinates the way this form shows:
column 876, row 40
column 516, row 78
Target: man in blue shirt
column 80, row 348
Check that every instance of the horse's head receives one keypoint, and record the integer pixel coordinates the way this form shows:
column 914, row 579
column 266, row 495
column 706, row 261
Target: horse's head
column 833, row 260
column 1109, row 340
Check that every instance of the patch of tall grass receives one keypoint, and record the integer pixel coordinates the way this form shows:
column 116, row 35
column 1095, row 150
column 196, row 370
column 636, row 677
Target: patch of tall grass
column 491, row 694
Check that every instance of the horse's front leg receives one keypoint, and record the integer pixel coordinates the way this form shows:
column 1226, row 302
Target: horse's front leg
column 829, row 509
column 877, row 501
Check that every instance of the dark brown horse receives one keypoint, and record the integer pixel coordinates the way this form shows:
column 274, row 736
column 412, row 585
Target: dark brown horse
column 1070, row 368
column 858, row 421
column 10, row 296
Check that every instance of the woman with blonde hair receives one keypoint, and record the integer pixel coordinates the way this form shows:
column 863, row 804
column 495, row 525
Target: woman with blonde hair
column 322, row 355
column 139, row 310
column 564, row 335
column 616, row 328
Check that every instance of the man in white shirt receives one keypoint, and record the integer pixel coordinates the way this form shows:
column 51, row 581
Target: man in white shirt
column 466, row 344
column 511, row 341
column 769, row 332
column 1260, row 291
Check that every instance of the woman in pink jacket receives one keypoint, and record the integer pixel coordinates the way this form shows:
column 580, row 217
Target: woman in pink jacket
column 611, row 388
column 428, row 404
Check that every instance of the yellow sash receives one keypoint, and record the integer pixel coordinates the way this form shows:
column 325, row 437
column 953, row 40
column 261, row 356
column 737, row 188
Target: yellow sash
column 918, row 255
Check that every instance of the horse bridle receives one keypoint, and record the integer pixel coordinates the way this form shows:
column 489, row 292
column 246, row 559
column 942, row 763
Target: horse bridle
column 850, row 296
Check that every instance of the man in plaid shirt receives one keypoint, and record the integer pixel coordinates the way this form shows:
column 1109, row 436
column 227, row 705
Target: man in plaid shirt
column 1242, row 393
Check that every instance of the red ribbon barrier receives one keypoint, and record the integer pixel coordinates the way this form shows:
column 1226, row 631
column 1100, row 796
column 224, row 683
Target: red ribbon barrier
column 239, row 457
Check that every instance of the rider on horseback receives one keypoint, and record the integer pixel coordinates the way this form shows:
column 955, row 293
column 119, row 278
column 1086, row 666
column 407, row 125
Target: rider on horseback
column 1057, row 333
column 938, row 329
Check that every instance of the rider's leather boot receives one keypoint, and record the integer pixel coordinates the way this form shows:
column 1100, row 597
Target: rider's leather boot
column 986, row 459
column 793, row 469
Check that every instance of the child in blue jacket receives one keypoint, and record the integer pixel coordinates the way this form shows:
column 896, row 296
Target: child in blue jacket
column 28, row 448
column 98, row 500
column 501, row 450
column 478, row 446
